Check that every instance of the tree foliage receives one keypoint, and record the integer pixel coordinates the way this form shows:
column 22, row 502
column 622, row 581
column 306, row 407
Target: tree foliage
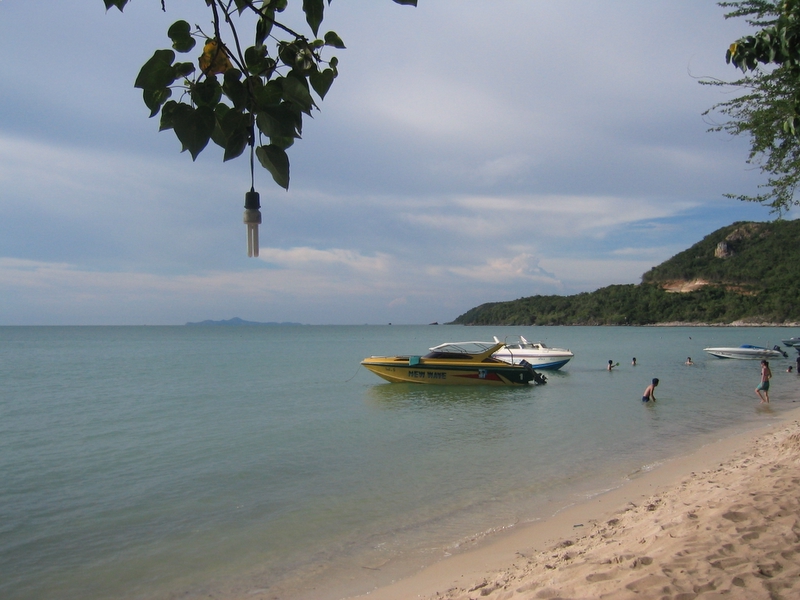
column 754, row 276
column 240, row 93
column 769, row 109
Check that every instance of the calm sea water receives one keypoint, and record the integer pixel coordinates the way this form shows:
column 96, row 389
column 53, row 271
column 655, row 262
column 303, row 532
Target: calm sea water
column 152, row 462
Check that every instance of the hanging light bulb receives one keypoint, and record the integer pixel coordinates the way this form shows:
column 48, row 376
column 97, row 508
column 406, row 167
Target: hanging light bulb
column 252, row 218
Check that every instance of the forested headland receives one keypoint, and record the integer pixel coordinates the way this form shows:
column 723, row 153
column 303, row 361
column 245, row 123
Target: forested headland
column 744, row 273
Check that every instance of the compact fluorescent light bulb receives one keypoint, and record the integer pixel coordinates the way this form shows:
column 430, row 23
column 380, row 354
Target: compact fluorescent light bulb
column 252, row 219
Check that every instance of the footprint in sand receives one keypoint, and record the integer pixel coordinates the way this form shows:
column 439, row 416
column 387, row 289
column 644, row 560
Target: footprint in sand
column 595, row 577
column 735, row 516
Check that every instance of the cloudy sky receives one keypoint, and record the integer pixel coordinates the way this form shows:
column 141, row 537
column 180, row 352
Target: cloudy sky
column 470, row 151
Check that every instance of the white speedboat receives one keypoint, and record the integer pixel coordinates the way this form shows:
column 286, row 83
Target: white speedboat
column 794, row 342
column 537, row 354
column 746, row 352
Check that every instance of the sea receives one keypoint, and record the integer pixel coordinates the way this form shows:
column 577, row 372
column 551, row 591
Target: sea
column 226, row 462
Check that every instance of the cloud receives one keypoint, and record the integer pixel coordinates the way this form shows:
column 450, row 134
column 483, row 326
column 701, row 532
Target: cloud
column 502, row 270
column 314, row 259
column 464, row 154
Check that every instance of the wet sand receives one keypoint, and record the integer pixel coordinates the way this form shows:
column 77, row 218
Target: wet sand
column 723, row 522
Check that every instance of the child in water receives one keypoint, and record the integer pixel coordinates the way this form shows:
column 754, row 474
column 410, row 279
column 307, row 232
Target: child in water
column 649, row 392
column 763, row 388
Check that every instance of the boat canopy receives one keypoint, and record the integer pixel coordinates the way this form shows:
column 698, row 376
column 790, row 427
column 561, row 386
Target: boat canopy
column 463, row 349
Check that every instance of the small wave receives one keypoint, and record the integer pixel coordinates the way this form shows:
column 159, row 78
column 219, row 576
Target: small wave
column 646, row 468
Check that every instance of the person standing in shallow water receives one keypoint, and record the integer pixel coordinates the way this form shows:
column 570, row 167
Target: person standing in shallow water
column 649, row 392
column 766, row 375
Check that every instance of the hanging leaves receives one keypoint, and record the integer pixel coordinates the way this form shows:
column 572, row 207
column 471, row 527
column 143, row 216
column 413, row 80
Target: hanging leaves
column 265, row 89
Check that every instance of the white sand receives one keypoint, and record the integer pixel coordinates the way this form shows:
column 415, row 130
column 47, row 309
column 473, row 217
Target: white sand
column 722, row 523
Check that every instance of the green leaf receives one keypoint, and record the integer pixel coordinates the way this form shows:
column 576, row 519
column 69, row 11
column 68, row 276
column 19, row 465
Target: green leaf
column 194, row 127
column 264, row 27
column 287, row 52
column 283, row 142
column 180, row 32
column 183, row 69
column 278, row 122
column 120, row 4
column 158, row 72
column 207, row 92
column 257, row 60
column 237, row 142
column 275, row 160
column 232, row 131
column 314, row 10
column 298, row 55
column 167, row 115
column 153, row 99
column 269, row 95
column 295, row 91
column 219, row 136
column 321, row 81
column 234, row 89
column 333, row 39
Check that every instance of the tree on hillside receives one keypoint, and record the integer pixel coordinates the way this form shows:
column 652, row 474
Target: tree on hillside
column 242, row 93
column 769, row 109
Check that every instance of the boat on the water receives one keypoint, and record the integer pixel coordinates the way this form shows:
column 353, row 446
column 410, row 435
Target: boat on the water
column 537, row 354
column 747, row 352
column 454, row 363
column 793, row 342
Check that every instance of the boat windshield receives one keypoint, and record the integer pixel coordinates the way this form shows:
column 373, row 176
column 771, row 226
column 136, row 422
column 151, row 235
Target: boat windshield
column 448, row 355
column 459, row 349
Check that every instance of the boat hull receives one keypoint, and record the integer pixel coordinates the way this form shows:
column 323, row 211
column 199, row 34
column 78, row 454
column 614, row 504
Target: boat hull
column 538, row 355
column 540, row 363
column 399, row 369
column 744, row 353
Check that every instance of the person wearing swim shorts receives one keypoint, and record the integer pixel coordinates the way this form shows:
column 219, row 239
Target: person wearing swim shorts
column 766, row 375
column 649, row 392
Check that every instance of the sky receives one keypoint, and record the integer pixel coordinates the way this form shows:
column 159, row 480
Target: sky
column 469, row 152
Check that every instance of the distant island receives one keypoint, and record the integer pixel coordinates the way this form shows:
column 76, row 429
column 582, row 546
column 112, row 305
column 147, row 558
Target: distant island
column 747, row 273
column 237, row 322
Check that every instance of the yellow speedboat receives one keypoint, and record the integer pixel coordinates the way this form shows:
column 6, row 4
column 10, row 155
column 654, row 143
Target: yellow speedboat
column 454, row 363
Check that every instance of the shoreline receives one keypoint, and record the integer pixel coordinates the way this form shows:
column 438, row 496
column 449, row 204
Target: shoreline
column 663, row 532
column 660, row 324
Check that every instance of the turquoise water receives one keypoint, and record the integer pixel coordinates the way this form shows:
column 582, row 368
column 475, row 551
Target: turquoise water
column 149, row 462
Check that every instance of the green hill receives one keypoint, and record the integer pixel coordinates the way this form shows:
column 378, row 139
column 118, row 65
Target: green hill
column 745, row 272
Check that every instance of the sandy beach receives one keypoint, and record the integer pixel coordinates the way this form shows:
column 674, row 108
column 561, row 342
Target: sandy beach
column 723, row 522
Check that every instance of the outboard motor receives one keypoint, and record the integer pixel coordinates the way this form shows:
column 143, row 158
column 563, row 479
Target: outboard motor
column 537, row 377
column 778, row 349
